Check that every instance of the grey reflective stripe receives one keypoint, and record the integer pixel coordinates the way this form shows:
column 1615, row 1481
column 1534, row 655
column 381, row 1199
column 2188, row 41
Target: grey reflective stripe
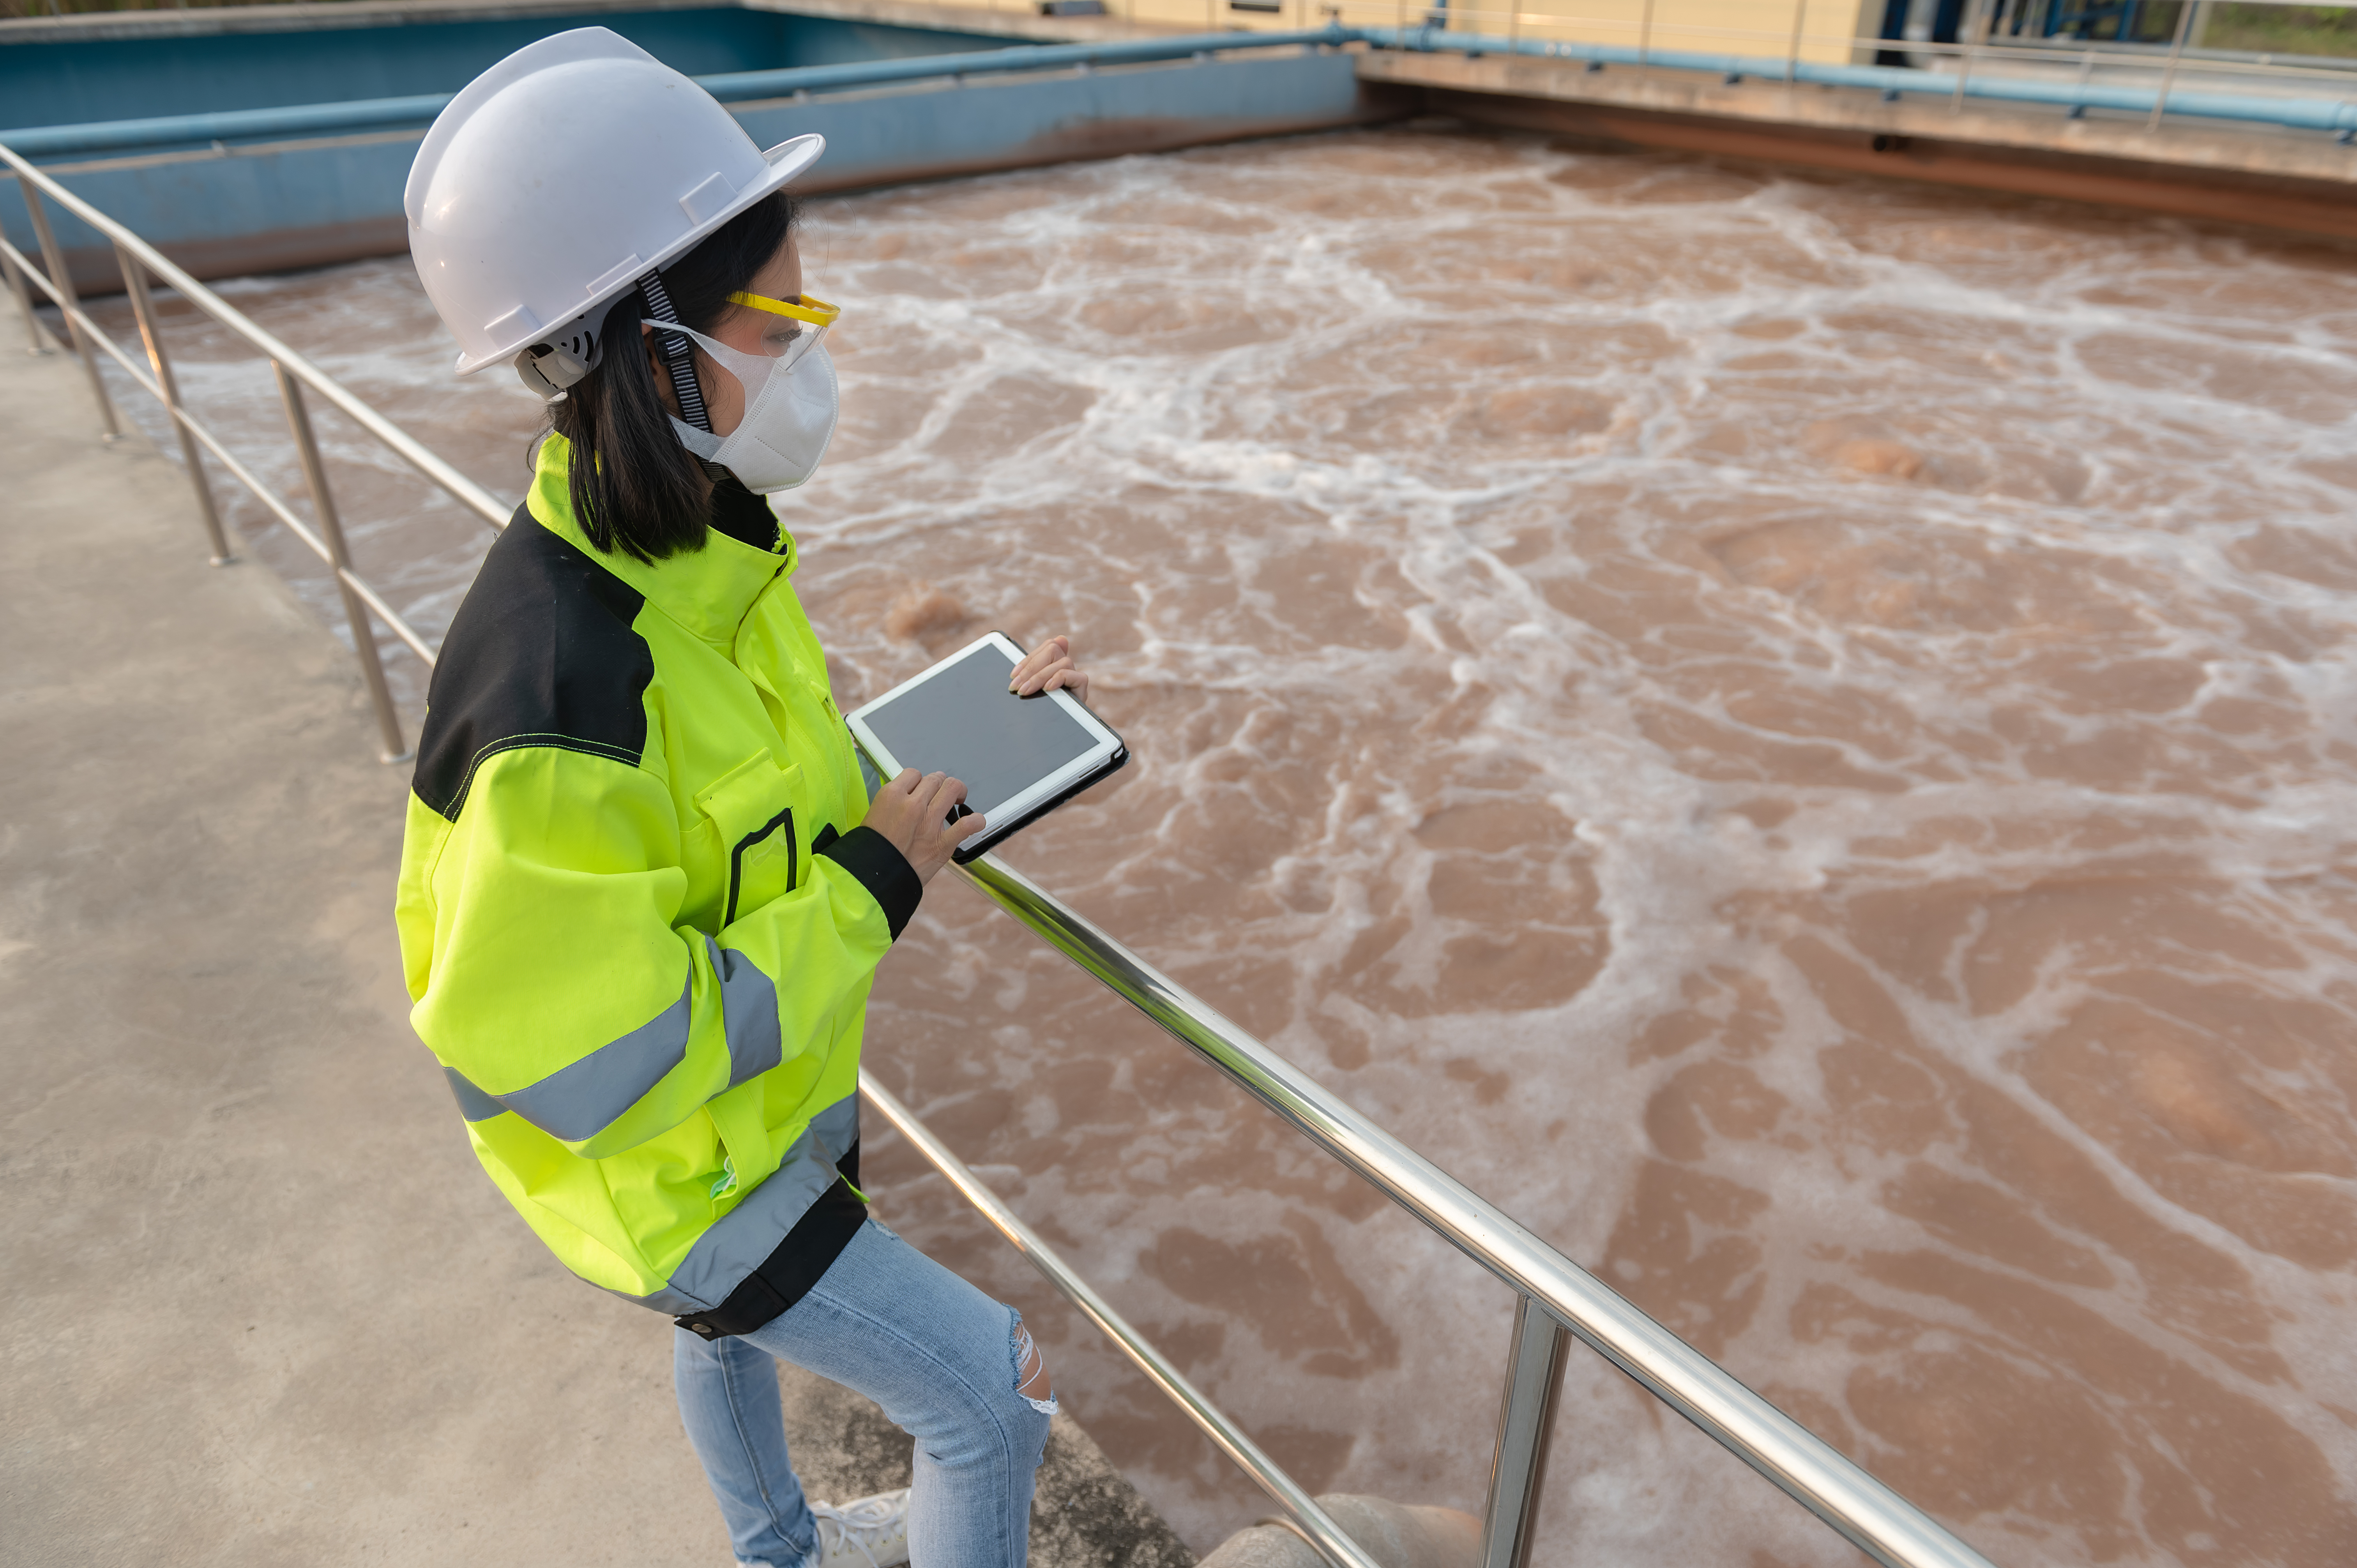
column 743, row 1239
column 579, row 1101
column 749, row 1001
column 838, row 1127
column 669, row 1302
column 473, row 1103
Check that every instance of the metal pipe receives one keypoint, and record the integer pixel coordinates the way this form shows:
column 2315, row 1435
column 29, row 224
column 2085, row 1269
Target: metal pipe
column 34, row 344
column 1792, row 55
column 143, row 306
column 61, row 285
column 226, row 125
column 1645, row 35
column 476, row 499
column 1525, row 1431
column 1878, row 1520
column 737, row 87
column 323, row 503
column 1313, row 1523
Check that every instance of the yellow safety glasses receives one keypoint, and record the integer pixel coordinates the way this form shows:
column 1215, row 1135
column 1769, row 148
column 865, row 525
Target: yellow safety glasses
column 801, row 323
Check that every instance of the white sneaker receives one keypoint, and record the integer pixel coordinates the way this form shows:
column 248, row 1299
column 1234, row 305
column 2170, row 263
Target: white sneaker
column 870, row 1533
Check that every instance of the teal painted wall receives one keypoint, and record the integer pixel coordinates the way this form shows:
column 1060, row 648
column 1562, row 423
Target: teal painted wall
column 74, row 83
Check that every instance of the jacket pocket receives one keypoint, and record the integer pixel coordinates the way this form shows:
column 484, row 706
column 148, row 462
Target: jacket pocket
column 752, row 805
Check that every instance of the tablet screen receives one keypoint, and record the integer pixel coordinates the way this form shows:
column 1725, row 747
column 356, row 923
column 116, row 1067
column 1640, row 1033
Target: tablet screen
column 964, row 722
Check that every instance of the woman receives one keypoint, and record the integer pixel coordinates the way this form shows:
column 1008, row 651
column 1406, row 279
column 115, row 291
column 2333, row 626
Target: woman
column 643, row 888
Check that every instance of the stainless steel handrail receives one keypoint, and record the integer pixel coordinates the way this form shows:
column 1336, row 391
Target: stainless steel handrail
column 1878, row 1520
column 138, row 261
column 1315, row 1523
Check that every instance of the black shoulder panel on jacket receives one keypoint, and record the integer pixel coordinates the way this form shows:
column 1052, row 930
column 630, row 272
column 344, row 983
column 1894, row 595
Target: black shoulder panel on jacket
column 541, row 653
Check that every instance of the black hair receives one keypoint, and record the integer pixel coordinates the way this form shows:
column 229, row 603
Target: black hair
column 635, row 488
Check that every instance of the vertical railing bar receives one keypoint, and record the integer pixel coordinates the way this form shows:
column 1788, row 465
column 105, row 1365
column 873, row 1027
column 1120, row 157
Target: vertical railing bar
column 1792, row 55
column 323, row 503
column 62, row 284
column 1975, row 12
column 1645, row 35
column 151, row 333
column 2168, row 73
column 1306, row 1518
column 34, row 341
column 1526, row 1412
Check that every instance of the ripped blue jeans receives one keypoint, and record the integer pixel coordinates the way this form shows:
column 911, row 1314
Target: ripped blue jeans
column 940, row 1358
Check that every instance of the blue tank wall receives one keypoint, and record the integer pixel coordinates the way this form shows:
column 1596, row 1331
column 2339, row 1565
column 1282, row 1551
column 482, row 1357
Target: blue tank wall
column 123, row 79
column 293, row 203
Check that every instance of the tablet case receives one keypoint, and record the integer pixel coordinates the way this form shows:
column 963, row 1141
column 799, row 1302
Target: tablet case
column 995, row 835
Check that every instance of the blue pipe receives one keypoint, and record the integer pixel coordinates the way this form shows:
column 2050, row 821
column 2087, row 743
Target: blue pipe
column 739, row 86
column 381, row 114
column 2299, row 113
column 173, row 129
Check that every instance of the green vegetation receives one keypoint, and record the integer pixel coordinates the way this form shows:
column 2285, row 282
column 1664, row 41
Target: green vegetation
column 2283, row 29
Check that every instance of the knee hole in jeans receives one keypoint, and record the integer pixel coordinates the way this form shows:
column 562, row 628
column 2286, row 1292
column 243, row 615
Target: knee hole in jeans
column 1032, row 1380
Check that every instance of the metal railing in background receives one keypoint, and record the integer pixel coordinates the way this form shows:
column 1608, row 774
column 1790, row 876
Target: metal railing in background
column 139, row 261
column 1556, row 1299
column 1980, row 66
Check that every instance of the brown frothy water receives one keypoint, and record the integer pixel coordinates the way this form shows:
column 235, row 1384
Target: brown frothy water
column 1794, row 732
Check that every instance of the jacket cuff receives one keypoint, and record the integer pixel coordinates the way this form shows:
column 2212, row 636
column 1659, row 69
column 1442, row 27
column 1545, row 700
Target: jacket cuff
column 883, row 870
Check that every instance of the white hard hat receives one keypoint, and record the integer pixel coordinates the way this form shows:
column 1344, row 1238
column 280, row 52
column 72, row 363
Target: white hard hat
column 562, row 176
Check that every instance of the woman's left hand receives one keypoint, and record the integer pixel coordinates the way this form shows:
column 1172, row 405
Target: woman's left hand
column 1050, row 668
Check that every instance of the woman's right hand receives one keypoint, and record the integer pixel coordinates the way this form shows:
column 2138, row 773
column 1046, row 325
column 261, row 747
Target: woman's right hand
column 910, row 811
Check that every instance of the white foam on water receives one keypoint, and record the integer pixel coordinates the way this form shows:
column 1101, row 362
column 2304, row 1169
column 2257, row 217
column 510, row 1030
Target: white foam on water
column 1794, row 732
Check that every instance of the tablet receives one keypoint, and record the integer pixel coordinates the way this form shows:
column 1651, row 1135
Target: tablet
column 1021, row 758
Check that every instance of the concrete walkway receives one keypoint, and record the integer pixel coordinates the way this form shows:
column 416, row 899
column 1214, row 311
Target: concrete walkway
column 261, row 1305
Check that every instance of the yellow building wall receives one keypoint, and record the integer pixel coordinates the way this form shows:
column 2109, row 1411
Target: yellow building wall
column 1762, row 27
column 1758, row 27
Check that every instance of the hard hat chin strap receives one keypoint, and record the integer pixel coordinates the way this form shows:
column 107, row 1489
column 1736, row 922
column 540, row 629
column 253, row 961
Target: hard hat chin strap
column 677, row 351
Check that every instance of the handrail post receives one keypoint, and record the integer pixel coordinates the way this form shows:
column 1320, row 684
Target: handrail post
column 1303, row 1515
column 151, row 333
column 1645, row 35
column 2168, row 73
column 1975, row 25
column 24, row 293
column 53, row 256
column 315, row 475
column 1792, row 55
column 1526, row 1427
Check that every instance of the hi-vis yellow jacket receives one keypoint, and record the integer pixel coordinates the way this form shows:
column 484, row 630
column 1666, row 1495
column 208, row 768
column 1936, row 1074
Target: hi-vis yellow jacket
column 637, row 918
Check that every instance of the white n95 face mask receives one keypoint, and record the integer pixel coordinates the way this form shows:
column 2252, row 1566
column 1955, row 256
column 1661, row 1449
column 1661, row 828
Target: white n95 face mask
column 791, row 403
